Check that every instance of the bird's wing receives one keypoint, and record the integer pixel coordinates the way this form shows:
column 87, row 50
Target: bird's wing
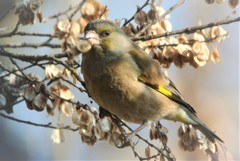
column 152, row 76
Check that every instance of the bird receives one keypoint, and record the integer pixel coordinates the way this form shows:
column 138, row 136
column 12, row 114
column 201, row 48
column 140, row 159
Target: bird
column 126, row 81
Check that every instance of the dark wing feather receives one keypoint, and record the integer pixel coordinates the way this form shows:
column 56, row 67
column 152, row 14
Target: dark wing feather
column 153, row 77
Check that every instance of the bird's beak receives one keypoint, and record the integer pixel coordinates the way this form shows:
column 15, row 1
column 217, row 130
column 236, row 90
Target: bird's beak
column 92, row 37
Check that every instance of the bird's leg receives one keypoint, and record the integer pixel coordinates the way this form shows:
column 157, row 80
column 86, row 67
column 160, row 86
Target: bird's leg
column 130, row 135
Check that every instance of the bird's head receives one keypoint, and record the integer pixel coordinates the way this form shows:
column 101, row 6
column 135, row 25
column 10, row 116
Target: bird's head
column 105, row 36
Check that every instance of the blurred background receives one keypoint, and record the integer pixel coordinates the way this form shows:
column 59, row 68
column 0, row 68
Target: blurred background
column 213, row 90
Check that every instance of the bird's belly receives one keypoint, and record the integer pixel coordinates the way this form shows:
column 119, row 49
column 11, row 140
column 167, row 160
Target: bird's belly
column 129, row 99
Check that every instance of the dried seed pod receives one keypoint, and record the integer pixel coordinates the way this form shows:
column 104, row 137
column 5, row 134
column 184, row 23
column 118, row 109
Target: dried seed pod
column 201, row 53
column 57, row 136
column 86, row 130
column 183, row 49
column 115, row 138
column 39, row 102
column 105, row 124
column 209, row 1
column 88, row 9
column 76, row 118
column 215, row 57
column 141, row 17
column 147, row 152
column 183, row 38
column 233, row 3
column 29, row 92
column 166, row 25
column 219, row 1
column 64, row 25
column 153, row 133
column 52, row 71
column 162, row 158
column 85, row 117
column 83, row 46
column 218, row 33
column 25, row 14
column 152, row 15
column 98, row 131
column 197, row 37
column 75, row 28
column 188, row 138
column 89, row 140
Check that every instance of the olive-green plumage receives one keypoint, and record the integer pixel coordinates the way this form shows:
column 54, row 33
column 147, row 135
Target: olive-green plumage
column 127, row 82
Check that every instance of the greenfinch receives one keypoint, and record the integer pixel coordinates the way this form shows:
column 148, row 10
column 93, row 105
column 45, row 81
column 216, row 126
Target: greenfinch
column 128, row 83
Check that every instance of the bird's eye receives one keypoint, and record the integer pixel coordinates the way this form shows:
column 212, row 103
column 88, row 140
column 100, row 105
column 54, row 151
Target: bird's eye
column 105, row 33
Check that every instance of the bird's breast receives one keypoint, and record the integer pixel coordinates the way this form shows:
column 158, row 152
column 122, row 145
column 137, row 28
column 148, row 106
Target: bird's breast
column 115, row 87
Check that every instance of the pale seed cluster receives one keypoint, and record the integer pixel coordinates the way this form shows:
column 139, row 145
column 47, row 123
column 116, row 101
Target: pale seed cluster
column 93, row 128
column 232, row 3
column 68, row 30
column 27, row 10
column 35, row 96
column 180, row 49
column 190, row 139
column 159, row 132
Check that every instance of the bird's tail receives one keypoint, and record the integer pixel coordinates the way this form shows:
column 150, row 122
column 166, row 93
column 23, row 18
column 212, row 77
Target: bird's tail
column 204, row 129
column 208, row 133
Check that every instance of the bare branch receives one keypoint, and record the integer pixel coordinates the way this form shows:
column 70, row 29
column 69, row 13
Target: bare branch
column 15, row 63
column 48, row 125
column 9, row 34
column 193, row 41
column 9, row 72
column 186, row 30
column 20, row 33
column 27, row 45
column 180, row 2
column 139, row 9
column 33, row 57
column 30, row 58
column 79, row 6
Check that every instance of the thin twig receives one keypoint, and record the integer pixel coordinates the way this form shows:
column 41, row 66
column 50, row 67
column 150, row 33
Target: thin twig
column 19, row 69
column 186, row 30
column 25, row 68
column 71, row 70
column 33, row 57
column 74, row 85
column 48, row 125
column 140, row 137
column 10, row 72
column 61, row 13
column 30, row 58
column 21, row 33
column 103, row 12
column 9, row 34
column 191, row 42
column 28, row 45
column 180, row 2
column 139, row 9
column 19, row 101
column 79, row 6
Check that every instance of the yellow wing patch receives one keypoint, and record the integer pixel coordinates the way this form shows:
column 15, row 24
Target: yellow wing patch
column 164, row 91
column 167, row 92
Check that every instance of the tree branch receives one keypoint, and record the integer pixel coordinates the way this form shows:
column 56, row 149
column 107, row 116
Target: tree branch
column 79, row 6
column 27, row 45
column 48, row 125
column 9, row 34
column 186, row 30
column 180, row 2
column 33, row 57
column 139, row 9
column 20, row 33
